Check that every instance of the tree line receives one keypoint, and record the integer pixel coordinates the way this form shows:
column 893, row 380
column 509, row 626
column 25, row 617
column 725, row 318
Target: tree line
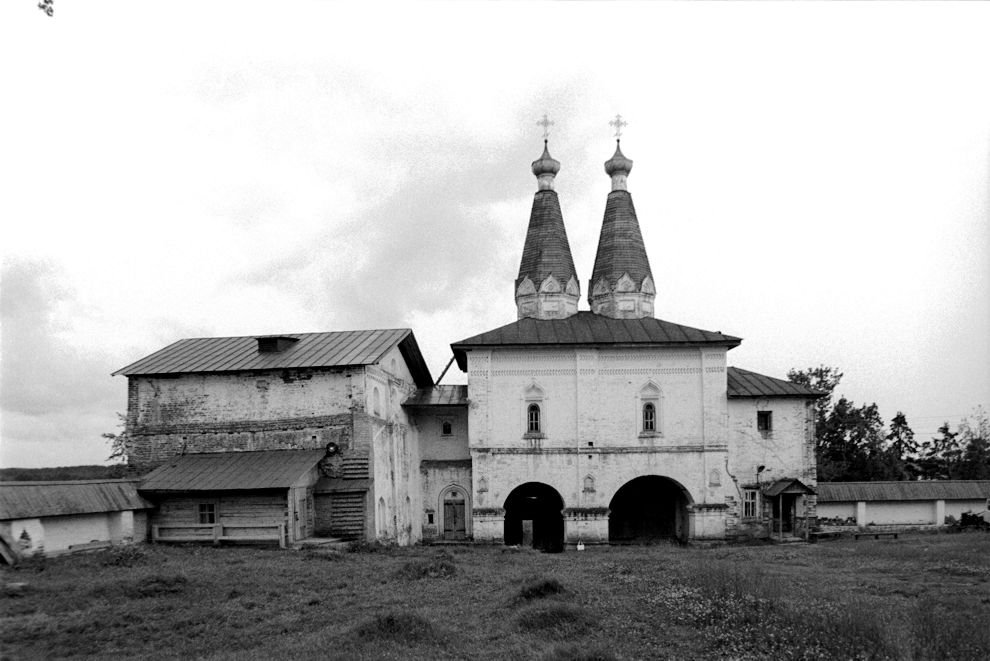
column 854, row 444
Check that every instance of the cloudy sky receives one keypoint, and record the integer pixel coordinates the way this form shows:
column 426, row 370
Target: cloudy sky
column 812, row 177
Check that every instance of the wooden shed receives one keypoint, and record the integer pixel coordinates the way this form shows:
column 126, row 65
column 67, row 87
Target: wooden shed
column 234, row 497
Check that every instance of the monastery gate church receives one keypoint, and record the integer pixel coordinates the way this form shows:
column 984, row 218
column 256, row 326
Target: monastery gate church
column 600, row 426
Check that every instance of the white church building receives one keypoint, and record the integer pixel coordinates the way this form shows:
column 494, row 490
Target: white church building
column 576, row 426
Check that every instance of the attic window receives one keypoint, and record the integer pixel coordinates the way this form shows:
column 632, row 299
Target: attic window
column 275, row 343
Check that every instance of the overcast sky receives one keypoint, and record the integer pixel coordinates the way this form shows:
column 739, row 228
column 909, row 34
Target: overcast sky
column 812, row 177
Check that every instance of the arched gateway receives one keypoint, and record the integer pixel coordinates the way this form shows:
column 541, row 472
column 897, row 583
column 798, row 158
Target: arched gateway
column 534, row 516
column 648, row 509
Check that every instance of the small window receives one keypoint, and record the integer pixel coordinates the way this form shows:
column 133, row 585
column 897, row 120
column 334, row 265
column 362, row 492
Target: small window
column 649, row 417
column 446, row 428
column 207, row 513
column 764, row 421
column 533, row 418
column 749, row 504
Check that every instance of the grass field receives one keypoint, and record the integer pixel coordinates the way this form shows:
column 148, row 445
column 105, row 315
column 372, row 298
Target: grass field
column 923, row 597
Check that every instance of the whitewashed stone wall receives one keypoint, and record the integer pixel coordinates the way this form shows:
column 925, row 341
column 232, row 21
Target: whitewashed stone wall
column 591, row 403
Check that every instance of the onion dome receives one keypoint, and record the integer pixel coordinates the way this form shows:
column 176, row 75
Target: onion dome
column 547, row 286
column 621, row 284
column 546, row 168
column 618, row 167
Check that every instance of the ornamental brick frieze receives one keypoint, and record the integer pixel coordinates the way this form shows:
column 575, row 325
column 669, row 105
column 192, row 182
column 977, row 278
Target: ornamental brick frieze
column 710, row 447
column 278, row 424
column 532, row 372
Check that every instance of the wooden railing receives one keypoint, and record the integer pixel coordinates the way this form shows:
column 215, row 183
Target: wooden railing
column 219, row 532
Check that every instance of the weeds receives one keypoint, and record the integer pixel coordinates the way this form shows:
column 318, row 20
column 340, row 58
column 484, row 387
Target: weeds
column 555, row 620
column 441, row 566
column 575, row 652
column 398, row 628
column 538, row 588
column 123, row 556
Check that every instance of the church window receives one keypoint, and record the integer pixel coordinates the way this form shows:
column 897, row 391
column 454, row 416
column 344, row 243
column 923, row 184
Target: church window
column 749, row 503
column 649, row 409
column 533, row 419
column 649, row 417
column 446, row 428
column 764, row 421
column 207, row 513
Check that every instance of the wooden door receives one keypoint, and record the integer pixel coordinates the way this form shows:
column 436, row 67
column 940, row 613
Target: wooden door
column 454, row 523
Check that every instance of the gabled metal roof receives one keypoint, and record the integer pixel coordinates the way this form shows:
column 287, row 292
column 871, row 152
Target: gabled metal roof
column 232, row 354
column 589, row 329
column 743, row 383
column 232, row 471
column 787, row 485
column 455, row 395
column 830, row 492
column 22, row 500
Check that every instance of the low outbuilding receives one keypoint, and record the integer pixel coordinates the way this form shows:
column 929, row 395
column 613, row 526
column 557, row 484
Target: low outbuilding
column 55, row 517
column 899, row 504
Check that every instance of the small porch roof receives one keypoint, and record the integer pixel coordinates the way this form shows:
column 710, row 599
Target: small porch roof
column 787, row 485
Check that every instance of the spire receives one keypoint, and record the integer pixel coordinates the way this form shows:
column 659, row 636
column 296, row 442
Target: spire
column 621, row 284
column 547, row 286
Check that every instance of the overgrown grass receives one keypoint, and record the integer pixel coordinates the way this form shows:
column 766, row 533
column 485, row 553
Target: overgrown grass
column 916, row 598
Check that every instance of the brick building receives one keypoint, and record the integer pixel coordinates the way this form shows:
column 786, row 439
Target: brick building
column 600, row 426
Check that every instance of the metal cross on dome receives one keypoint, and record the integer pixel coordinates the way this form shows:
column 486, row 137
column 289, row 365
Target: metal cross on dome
column 618, row 123
column 546, row 124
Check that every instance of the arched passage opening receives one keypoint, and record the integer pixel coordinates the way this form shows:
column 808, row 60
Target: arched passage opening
column 648, row 509
column 534, row 516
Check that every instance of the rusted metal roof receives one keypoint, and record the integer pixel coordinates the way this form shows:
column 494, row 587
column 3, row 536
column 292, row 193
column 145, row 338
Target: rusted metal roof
column 232, row 471
column 23, row 500
column 831, row 492
column 231, row 354
column 589, row 329
column 743, row 383
column 438, row 396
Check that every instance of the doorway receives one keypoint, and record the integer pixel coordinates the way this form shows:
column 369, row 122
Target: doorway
column 534, row 517
column 454, row 515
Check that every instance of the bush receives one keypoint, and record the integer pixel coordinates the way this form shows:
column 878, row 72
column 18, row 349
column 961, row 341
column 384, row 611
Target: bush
column 399, row 628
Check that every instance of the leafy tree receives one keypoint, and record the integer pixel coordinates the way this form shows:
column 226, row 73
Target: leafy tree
column 119, row 442
column 974, row 452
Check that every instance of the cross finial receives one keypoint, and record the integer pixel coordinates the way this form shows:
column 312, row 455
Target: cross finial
column 618, row 123
column 546, row 124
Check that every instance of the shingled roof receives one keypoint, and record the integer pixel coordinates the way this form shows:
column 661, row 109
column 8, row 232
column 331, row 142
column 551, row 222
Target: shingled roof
column 334, row 349
column 546, row 251
column 620, row 244
column 589, row 329
column 743, row 383
column 232, row 471
column 21, row 500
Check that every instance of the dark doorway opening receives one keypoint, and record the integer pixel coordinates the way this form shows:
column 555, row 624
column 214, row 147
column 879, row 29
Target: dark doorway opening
column 784, row 510
column 534, row 515
column 648, row 509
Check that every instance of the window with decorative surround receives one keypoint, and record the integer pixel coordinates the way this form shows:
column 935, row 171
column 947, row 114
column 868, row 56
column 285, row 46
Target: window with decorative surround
column 446, row 427
column 535, row 423
column 649, row 409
